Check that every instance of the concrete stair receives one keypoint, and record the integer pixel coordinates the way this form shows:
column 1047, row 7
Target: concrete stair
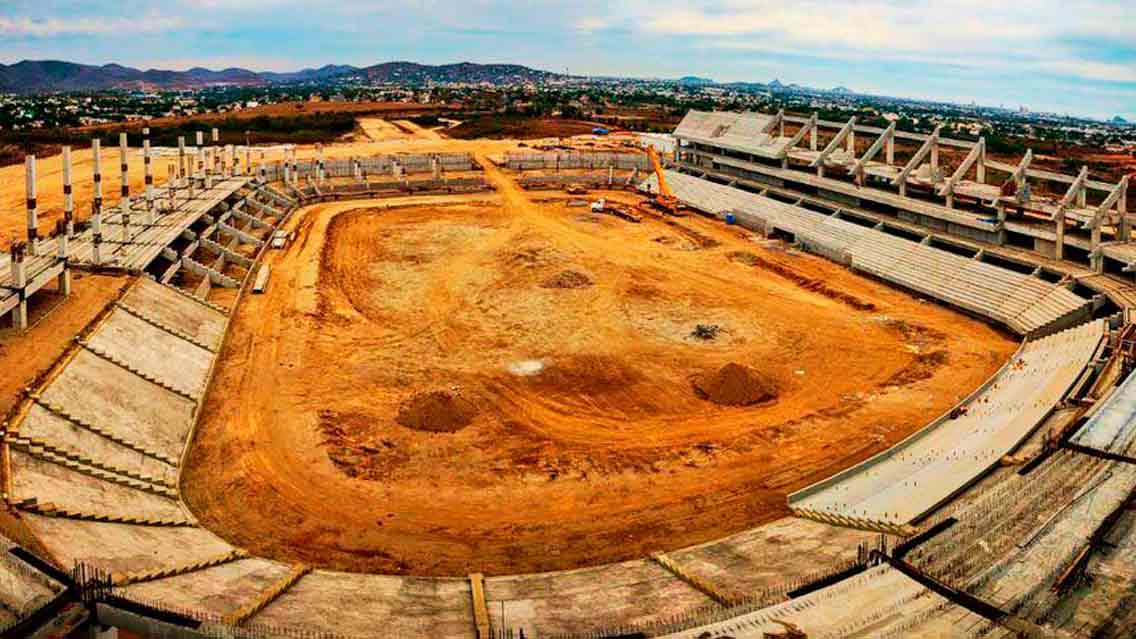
column 279, row 196
column 126, row 579
column 704, row 586
column 204, row 302
column 83, row 464
column 113, row 359
column 32, row 505
column 165, row 327
column 102, row 432
column 267, row 596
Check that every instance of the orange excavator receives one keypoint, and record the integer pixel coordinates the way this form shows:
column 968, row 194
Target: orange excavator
column 664, row 199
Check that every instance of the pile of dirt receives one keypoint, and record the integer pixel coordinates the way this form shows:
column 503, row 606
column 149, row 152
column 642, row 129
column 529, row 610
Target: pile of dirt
column 567, row 279
column 436, row 412
column 736, row 385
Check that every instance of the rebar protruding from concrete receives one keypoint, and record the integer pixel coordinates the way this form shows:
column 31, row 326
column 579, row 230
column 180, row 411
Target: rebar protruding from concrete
column 68, row 198
column 19, row 281
column 33, row 214
column 62, row 239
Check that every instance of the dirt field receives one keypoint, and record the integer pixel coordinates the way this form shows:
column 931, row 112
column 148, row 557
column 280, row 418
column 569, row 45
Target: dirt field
column 491, row 383
column 53, row 323
column 520, row 127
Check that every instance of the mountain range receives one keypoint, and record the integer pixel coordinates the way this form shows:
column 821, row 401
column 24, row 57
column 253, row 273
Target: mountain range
column 52, row 76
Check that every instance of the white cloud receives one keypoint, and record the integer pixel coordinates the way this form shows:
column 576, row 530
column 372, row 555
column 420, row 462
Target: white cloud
column 1026, row 35
column 48, row 27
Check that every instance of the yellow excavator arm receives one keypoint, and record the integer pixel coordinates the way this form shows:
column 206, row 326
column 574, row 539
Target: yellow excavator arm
column 666, row 199
column 664, row 190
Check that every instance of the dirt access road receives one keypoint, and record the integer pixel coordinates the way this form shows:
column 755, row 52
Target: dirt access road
column 585, row 441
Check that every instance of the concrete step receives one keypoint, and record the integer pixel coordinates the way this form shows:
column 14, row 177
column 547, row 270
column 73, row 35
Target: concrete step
column 82, row 463
column 103, row 353
column 165, row 327
column 102, row 432
column 204, row 302
column 121, row 579
column 51, row 510
column 267, row 596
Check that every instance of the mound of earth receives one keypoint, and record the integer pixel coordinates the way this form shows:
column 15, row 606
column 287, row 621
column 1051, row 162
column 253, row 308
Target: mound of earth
column 436, row 412
column 567, row 279
column 736, row 385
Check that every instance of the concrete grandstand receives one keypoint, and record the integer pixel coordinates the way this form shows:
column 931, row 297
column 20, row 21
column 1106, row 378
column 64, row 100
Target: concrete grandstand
column 1009, row 514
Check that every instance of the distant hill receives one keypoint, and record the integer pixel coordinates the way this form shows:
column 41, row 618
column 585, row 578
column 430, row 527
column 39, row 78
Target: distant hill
column 53, row 76
column 1118, row 120
column 842, row 91
column 693, row 79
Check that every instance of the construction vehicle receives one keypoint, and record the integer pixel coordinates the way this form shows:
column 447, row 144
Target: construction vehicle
column 664, row 199
column 602, row 205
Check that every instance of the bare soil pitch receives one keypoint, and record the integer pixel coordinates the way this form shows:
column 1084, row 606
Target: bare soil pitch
column 587, row 440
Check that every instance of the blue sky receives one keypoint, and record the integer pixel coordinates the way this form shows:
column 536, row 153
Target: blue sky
column 1072, row 56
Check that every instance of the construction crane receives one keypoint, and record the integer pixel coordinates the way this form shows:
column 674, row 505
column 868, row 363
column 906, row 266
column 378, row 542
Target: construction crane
column 665, row 199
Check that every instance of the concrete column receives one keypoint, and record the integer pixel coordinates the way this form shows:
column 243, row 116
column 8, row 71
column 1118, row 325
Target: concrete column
column 68, row 198
column 980, row 171
column 97, row 171
column 62, row 239
column 610, row 175
column 171, row 188
column 198, row 155
column 33, row 213
column 216, row 161
column 148, row 172
column 852, row 141
column 934, row 160
column 813, row 137
column 96, row 231
column 181, row 158
column 435, row 167
column 1124, row 229
column 890, row 149
column 1059, row 231
column 287, row 173
column 124, row 205
column 19, row 281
